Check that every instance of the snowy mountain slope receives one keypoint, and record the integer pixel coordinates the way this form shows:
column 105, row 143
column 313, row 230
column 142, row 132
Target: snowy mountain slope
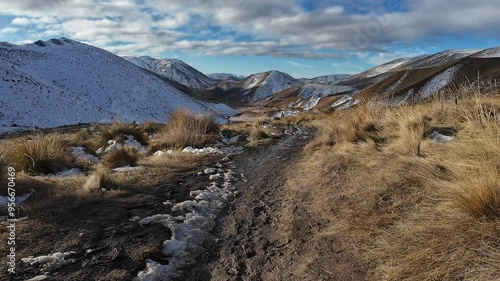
column 439, row 58
column 306, row 96
column 175, row 70
column 488, row 53
column 62, row 82
column 262, row 85
column 326, row 79
column 226, row 76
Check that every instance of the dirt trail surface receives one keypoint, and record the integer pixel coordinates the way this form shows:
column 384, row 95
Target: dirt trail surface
column 268, row 233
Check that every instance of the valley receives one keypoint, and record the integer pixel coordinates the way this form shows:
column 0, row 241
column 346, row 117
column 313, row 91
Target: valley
column 137, row 168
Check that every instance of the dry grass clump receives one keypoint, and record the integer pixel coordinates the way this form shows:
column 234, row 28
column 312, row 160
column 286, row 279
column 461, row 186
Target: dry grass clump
column 41, row 155
column 150, row 127
column 126, row 156
column 100, row 178
column 413, row 209
column 185, row 129
column 118, row 130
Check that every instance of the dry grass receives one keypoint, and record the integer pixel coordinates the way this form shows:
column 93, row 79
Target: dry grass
column 40, row 155
column 121, row 157
column 185, row 129
column 100, row 178
column 118, row 130
column 150, row 127
column 411, row 208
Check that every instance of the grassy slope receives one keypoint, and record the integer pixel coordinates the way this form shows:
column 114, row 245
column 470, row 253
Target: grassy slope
column 409, row 208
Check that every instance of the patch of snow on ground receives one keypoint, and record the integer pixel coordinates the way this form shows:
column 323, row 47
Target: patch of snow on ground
column 162, row 153
column 205, row 150
column 127, row 168
column 50, row 262
column 67, row 173
column 80, row 154
column 129, row 142
column 132, row 142
column 191, row 230
column 437, row 137
column 4, row 200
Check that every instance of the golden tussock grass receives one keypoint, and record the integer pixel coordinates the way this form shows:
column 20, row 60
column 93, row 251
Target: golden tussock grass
column 118, row 130
column 40, row 154
column 126, row 156
column 185, row 129
column 412, row 208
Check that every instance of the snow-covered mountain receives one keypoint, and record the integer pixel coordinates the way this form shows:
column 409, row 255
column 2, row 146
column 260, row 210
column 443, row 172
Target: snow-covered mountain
column 226, row 76
column 326, row 79
column 261, row 85
column 439, row 58
column 62, row 82
column 175, row 70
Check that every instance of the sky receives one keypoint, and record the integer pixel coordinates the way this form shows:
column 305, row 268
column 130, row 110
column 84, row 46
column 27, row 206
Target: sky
column 301, row 37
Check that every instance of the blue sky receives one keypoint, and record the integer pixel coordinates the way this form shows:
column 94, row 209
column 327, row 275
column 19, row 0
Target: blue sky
column 303, row 38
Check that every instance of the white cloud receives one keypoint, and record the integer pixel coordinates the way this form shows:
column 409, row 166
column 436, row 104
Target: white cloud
column 8, row 30
column 21, row 21
column 269, row 27
column 298, row 64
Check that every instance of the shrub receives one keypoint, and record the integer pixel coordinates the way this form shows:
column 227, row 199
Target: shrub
column 121, row 157
column 185, row 129
column 42, row 155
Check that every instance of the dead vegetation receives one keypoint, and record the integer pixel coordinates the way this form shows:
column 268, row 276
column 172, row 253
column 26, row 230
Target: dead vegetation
column 40, row 155
column 126, row 156
column 412, row 208
column 185, row 129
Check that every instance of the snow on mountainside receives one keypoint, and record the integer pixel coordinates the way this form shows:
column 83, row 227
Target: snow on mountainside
column 261, row 85
column 439, row 58
column 175, row 70
column 226, row 76
column 62, row 82
column 326, row 79
column 488, row 53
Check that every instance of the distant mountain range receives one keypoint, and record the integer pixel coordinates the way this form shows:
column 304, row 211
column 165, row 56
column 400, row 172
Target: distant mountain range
column 62, row 82
column 175, row 70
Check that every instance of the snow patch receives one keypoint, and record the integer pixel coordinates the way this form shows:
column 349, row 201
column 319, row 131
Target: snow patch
column 50, row 262
column 67, row 173
column 437, row 137
column 127, row 168
column 81, row 155
column 4, row 200
column 191, row 230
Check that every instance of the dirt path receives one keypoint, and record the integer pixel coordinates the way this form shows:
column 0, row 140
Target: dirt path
column 251, row 245
column 270, row 233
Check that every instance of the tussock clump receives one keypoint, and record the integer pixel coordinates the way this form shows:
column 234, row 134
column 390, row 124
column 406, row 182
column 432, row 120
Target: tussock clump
column 118, row 130
column 185, row 129
column 150, row 127
column 42, row 155
column 121, row 157
column 100, row 178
